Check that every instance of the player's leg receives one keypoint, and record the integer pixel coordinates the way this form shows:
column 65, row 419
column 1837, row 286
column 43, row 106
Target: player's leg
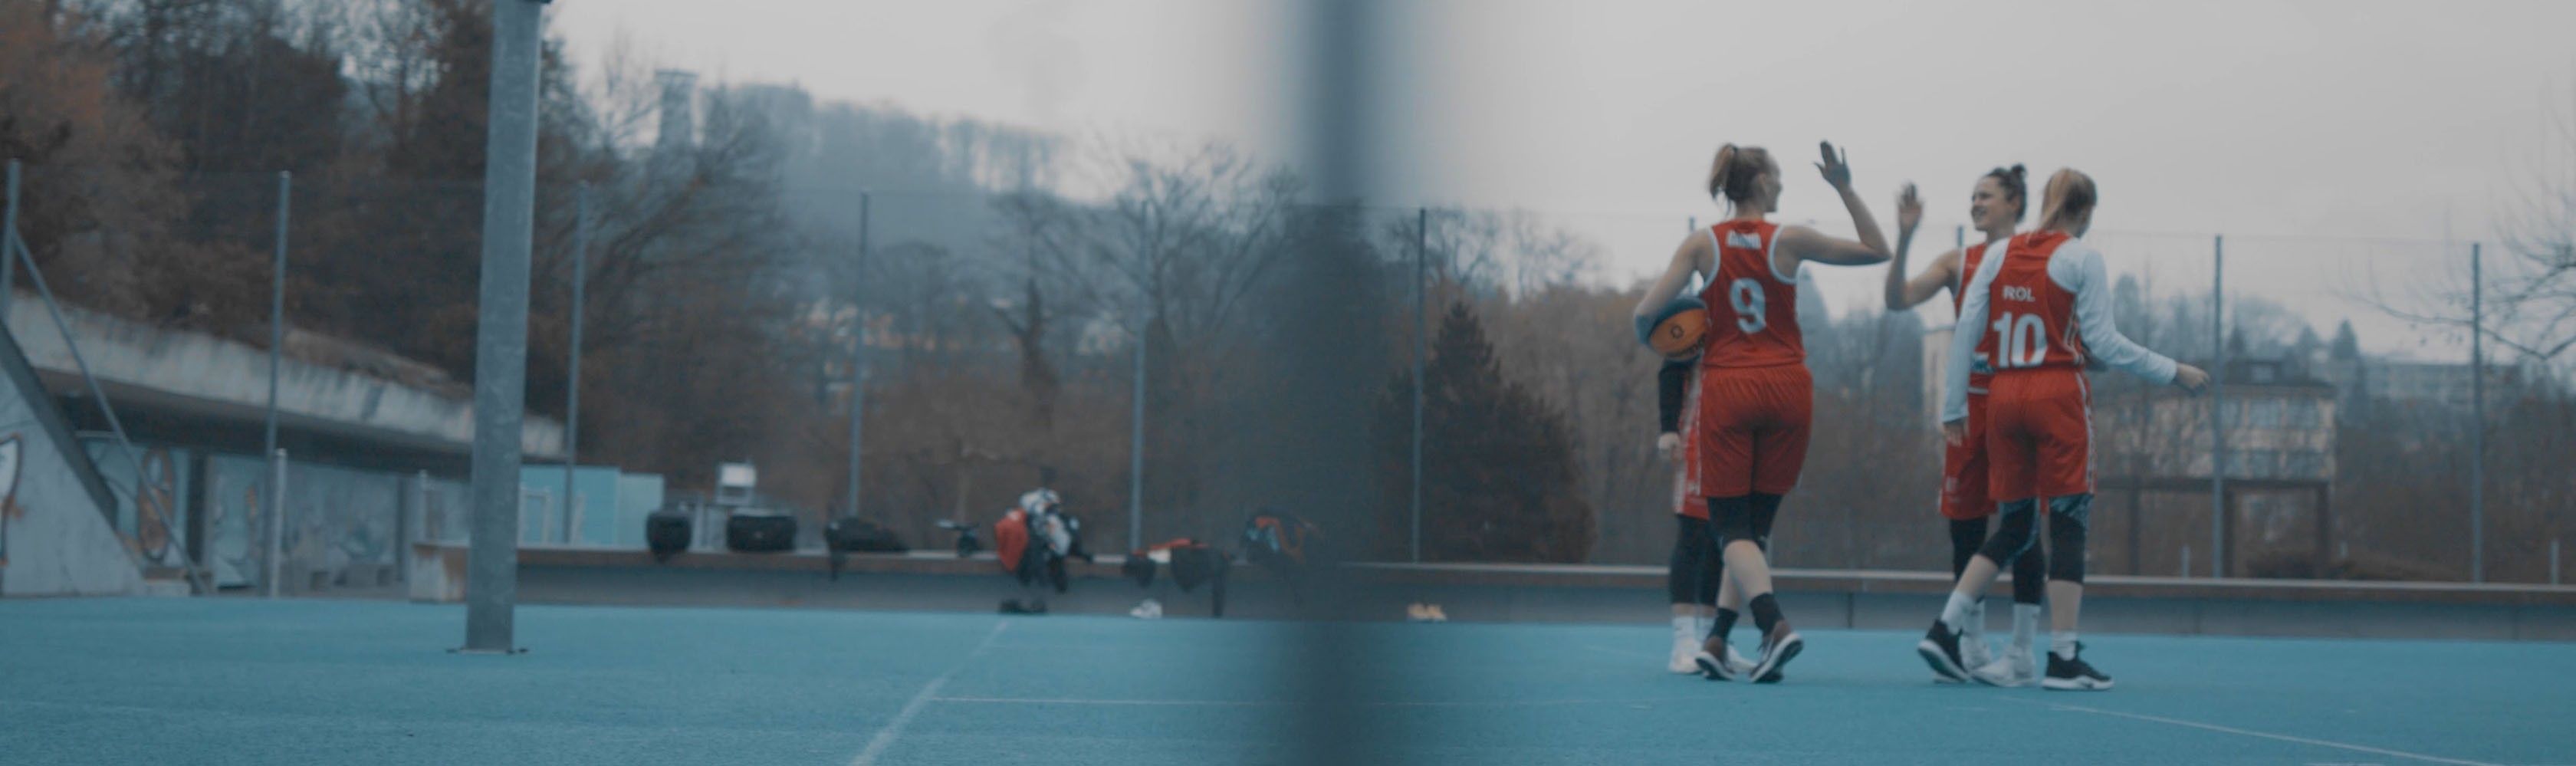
column 2069, row 523
column 1964, row 502
column 1692, row 591
column 2066, row 477
column 1779, row 455
column 2008, row 452
column 1725, row 462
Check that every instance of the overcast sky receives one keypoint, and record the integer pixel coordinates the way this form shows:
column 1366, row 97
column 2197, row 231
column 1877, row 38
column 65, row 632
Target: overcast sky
column 2350, row 119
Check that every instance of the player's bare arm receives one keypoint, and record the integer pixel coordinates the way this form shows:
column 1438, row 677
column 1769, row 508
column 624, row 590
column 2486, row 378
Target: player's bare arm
column 1690, row 258
column 1799, row 243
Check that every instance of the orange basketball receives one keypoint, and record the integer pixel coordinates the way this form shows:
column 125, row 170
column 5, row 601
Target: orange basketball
column 1678, row 337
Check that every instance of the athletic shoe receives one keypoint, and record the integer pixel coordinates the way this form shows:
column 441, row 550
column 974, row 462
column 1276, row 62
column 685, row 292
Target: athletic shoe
column 1940, row 649
column 2016, row 668
column 1778, row 648
column 1735, row 666
column 1685, row 650
column 1433, row 611
column 2073, row 675
column 1150, row 610
column 1973, row 651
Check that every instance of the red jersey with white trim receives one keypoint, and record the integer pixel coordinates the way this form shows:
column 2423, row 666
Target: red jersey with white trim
column 2030, row 316
column 1752, row 310
column 1982, row 372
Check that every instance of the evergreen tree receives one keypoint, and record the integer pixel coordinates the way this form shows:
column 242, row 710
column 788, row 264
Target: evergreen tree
column 1499, row 479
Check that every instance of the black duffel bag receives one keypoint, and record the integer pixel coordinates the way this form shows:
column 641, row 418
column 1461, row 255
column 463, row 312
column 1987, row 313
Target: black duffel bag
column 760, row 534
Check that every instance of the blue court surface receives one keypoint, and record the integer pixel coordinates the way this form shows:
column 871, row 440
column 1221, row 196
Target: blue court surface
column 124, row 681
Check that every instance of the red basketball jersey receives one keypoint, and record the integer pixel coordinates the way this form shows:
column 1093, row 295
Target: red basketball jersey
column 1979, row 371
column 1752, row 310
column 2030, row 319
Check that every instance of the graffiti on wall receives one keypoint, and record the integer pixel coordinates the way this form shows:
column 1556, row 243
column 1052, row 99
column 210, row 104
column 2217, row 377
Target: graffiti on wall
column 150, row 514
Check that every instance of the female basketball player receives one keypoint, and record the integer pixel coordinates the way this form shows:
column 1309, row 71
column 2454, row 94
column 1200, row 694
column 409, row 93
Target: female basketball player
column 2050, row 302
column 1996, row 207
column 1753, row 376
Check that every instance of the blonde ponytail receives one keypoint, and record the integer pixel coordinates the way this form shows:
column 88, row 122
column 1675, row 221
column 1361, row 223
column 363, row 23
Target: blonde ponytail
column 2070, row 196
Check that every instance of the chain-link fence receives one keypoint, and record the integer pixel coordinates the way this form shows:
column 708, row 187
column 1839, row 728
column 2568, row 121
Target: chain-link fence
column 1124, row 350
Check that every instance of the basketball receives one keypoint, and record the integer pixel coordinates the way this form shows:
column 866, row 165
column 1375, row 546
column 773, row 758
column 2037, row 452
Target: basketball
column 1678, row 337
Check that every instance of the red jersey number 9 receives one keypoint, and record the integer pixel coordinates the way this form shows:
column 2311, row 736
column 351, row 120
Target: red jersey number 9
column 1746, row 295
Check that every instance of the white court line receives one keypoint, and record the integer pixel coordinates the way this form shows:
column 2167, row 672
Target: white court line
column 885, row 737
column 2267, row 735
column 1285, row 703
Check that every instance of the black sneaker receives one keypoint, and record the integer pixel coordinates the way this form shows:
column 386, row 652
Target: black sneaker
column 2073, row 675
column 1778, row 648
column 1940, row 649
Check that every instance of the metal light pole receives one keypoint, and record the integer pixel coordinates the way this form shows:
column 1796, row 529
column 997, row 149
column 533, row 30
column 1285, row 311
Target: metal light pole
column 501, row 329
column 572, row 381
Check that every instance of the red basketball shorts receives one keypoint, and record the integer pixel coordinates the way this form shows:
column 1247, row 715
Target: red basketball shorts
column 2039, row 435
column 1753, row 427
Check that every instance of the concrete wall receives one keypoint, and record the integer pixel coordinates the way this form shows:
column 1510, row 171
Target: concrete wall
column 230, row 379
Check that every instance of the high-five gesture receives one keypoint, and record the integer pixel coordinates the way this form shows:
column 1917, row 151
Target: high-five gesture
column 1909, row 210
column 1836, row 165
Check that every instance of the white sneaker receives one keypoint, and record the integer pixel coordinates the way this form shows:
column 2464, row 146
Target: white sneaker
column 1974, row 652
column 1150, row 610
column 2016, row 668
column 1685, row 654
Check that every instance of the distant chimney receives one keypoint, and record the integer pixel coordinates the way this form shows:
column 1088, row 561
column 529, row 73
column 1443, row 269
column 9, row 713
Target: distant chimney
column 679, row 120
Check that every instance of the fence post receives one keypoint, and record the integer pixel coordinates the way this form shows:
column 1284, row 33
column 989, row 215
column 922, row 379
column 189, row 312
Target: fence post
column 572, row 382
column 1421, row 328
column 2477, row 419
column 1136, row 413
column 501, row 328
column 2218, row 407
column 276, row 520
column 277, row 312
column 859, row 355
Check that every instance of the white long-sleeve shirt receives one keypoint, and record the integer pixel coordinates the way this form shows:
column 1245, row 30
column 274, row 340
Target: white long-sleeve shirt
column 2077, row 267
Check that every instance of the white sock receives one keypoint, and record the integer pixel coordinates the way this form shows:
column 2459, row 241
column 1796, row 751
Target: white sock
column 1685, row 629
column 2025, row 625
column 1977, row 619
column 1955, row 615
column 2062, row 643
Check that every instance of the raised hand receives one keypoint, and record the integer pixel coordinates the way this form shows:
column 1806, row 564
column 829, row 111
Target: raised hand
column 1909, row 209
column 1835, row 166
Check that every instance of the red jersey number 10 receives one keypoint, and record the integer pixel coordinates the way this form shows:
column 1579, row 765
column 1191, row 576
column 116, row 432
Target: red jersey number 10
column 2022, row 340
